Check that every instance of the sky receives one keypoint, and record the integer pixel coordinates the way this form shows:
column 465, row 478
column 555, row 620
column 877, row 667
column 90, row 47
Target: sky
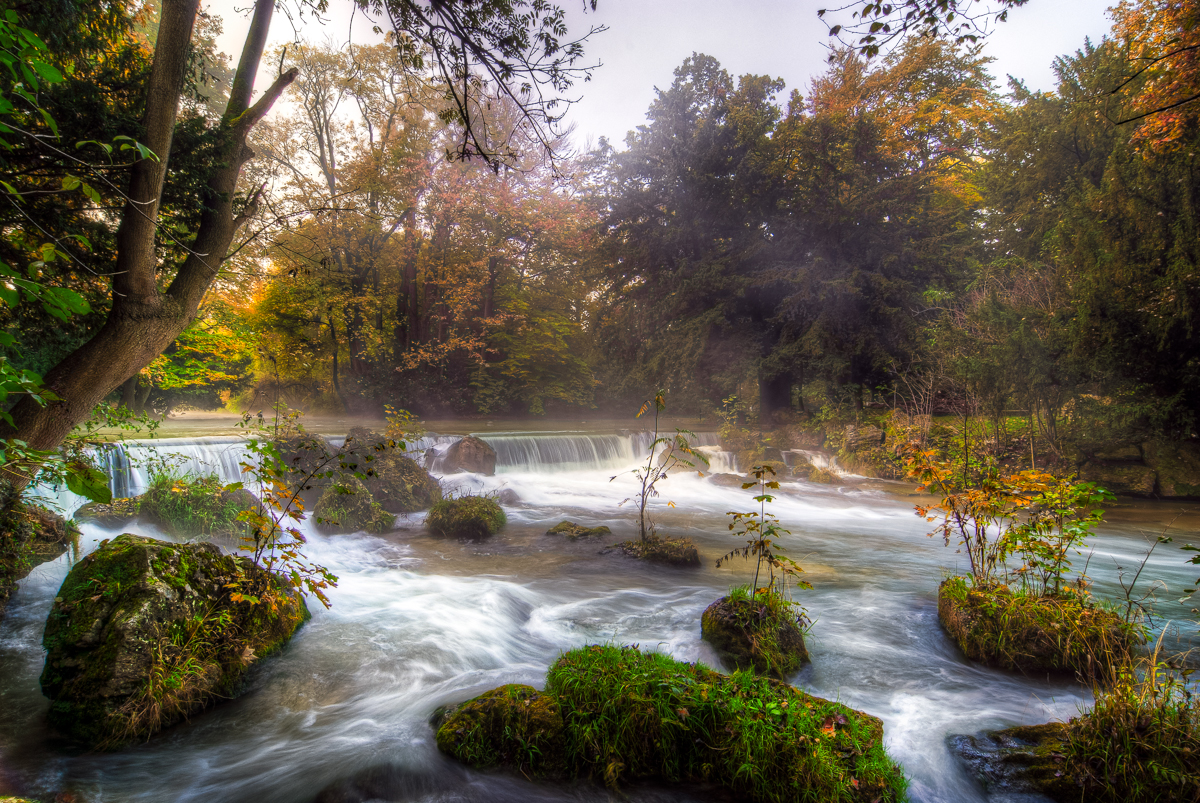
column 647, row 39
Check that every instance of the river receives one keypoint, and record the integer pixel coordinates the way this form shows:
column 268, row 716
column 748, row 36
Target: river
column 418, row 622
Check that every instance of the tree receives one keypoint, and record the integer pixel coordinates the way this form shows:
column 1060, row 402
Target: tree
column 877, row 25
column 519, row 41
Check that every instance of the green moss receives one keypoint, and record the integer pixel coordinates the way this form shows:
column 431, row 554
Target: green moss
column 1066, row 633
column 629, row 715
column 672, row 551
column 190, row 506
column 466, row 517
column 514, row 726
column 570, row 530
column 764, row 634
column 348, row 507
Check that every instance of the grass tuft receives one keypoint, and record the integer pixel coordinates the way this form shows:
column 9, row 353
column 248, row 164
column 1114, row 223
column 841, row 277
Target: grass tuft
column 763, row 632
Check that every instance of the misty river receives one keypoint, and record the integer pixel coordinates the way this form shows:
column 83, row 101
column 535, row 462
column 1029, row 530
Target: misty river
column 418, row 622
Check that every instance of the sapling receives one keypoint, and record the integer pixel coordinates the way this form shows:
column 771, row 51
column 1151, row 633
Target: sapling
column 678, row 452
column 761, row 529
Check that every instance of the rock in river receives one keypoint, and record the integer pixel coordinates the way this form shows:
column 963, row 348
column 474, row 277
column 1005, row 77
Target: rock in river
column 144, row 633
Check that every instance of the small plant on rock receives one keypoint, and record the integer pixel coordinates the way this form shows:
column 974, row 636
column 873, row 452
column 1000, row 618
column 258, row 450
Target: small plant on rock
column 759, row 625
column 666, row 454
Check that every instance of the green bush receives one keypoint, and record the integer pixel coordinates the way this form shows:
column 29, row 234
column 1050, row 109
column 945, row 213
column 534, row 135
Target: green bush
column 189, row 506
column 466, row 517
column 628, row 715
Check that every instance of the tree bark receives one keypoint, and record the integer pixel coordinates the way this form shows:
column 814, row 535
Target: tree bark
column 143, row 319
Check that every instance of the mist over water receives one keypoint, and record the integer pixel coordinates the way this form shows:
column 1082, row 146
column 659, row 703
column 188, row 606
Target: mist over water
column 418, row 622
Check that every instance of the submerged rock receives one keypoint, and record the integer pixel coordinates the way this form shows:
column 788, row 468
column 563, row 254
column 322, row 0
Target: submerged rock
column 348, row 507
column 727, row 480
column 753, row 635
column 145, row 633
column 30, row 535
column 507, row 496
column 117, row 513
column 571, row 530
column 618, row 715
column 466, row 517
column 469, row 454
column 672, row 551
column 1022, row 760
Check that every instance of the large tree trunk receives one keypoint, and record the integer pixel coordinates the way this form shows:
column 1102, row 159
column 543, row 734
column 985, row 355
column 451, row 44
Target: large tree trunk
column 144, row 320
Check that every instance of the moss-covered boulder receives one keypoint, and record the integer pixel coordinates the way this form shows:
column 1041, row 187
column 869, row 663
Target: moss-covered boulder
column 629, row 716
column 671, row 551
column 348, row 507
column 469, row 454
column 466, row 517
column 512, row 726
column 1133, row 479
column 1033, row 634
column 195, row 506
column 30, row 535
column 145, row 633
column 571, row 531
column 766, row 636
column 116, row 513
column 727, row 480
column 398, row 484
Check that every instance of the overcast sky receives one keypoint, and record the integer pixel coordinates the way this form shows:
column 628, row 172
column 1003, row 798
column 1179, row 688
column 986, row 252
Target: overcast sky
column 647, row 39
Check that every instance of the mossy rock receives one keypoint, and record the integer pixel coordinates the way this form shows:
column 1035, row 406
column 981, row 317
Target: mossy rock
column 513, row 726
column 192, row 506
column 1066, row 633
column 570, row 530
column 750, row 634
column 116, row 513
column 30, row 535
column 466, row 517
column 1176, row 466
column 727, row 480
column 1024, row 760
column 348, row 507
column 398, row 484
column 145, row 633
column 630, row 716
column 671, row 551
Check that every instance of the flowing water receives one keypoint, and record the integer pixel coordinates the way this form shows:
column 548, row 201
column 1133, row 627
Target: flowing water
column 418, row 622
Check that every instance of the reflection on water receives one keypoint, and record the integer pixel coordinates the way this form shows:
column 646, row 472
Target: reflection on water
column 418, row 622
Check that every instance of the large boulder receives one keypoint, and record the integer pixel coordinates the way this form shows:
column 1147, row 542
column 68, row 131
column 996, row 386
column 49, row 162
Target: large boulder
column 764, row 635
column 348, row 507
column 1177, row 467
column 145, row 633
column 30, row 535
column 469, row 454
column 619, row 715
column 399, row 484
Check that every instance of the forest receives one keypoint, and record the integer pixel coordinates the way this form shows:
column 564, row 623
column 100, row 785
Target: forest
column 369, row 434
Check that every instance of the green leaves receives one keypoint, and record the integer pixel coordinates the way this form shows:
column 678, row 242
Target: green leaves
column 87, row 481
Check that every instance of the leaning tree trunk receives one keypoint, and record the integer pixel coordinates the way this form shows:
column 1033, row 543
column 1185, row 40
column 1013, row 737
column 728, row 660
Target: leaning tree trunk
column 145, row 319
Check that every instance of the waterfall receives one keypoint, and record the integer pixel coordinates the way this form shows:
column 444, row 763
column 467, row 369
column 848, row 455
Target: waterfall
column 821, row 460
column 545, row 452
